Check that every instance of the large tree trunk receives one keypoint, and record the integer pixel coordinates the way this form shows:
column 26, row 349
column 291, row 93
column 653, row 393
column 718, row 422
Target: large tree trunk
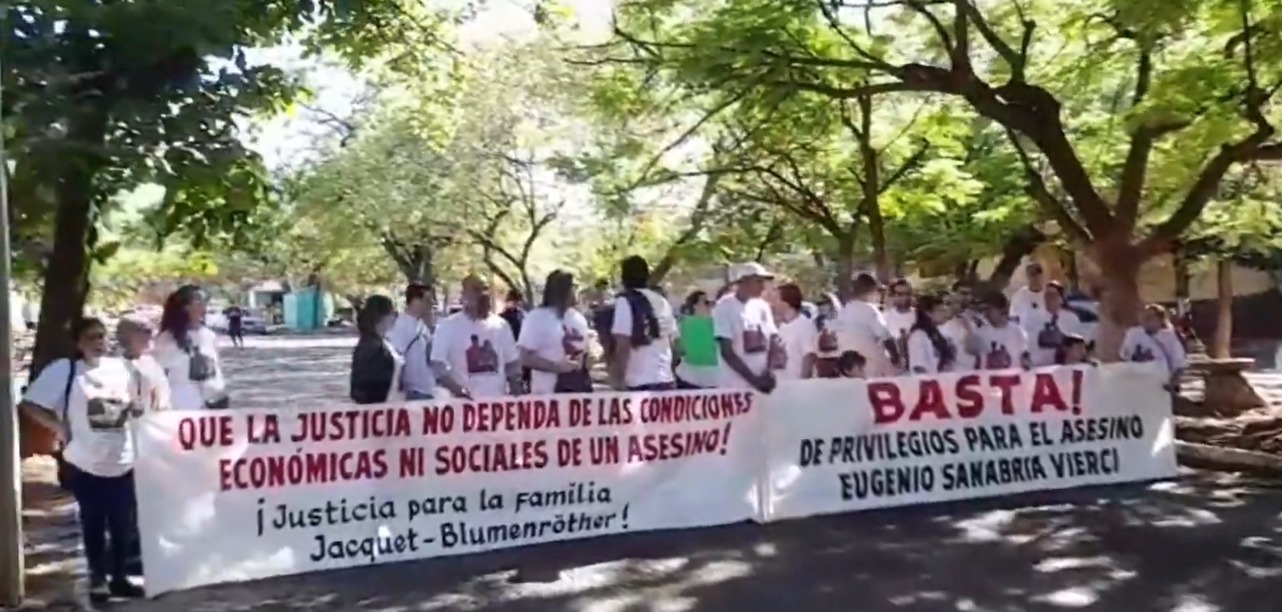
column 66, row 278
column 1021, row 244
column 1118, row 263
column 845, row 267
column 1223, row 347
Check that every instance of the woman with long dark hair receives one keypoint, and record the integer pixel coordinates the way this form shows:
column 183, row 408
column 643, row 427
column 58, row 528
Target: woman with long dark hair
column 376, row 366
column 929, row 350
column 554, row 340
column 87, row 402
column 189, row 353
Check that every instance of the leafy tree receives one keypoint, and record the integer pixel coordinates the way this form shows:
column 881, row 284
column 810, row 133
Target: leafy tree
column 103, row 97
column 1138, row 109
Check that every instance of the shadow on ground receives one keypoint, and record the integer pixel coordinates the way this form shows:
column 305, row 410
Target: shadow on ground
column 1203, row 544
column 52, row 546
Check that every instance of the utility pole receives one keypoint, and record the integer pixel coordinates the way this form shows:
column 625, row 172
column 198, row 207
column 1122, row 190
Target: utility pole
column 12, row 559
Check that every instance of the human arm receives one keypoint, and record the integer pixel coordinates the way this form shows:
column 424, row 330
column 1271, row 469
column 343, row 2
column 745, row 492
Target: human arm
column 533, row 337
column 510, row 357
column 45, row 400
column 921, row 353
column 440, row 361
column 725, row 326
column 621, row 331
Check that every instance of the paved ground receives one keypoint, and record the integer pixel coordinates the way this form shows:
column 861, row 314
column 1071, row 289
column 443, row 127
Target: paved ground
column 1208, row 543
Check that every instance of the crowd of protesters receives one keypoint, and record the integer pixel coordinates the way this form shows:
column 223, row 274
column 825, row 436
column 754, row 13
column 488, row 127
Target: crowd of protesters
column 755, row 332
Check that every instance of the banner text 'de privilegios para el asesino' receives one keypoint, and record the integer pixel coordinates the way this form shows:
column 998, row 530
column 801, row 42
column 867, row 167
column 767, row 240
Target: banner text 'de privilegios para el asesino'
column 972, row 435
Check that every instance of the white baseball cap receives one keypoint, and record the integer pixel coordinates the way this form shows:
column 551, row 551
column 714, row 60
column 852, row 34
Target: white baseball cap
column 749, row 270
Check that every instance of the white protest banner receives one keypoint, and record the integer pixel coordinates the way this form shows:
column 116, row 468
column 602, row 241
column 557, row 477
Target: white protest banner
column 244, row 494
column 843, row 445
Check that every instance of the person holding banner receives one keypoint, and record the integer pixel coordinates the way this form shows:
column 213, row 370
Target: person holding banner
column 1001, row 343
column 553, row 340
column 1154, row 340
column 1049, row 325
column 88, row 402
column 411, row 337
column 929, row 350
column 643, row 330
column 746, row 332
column 799, row 337
column 474, row 354
column 699, row 366
column 862, row 328
column 189, row 353
column 376, row 364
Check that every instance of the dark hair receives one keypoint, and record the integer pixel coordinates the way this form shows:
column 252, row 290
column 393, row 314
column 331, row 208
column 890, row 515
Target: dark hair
column 515, row 295
column 558, row 291
column 415, row 290
column 961, row 284
column 81, row 326
column 923, row 322
column 997, row 299
column 602, row 284
column 634, row 272
column 375, row 309
column 790, row 294
column 897, row 282
column 1069, row 341
column 864, row 284
column 173, row 317
column 693, row 300
column 1058, row 289
column 849, row 360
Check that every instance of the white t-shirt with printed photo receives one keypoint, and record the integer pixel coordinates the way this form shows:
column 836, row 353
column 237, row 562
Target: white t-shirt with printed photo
column 1040, row 320
column 1162, row 347
column 553, row 337
column 862, row 328
column 185, row 393
column 650, row 364
column 94, row 410
column 1001, row 348
column 799, row 337
column 750, row 327
column 956, row 332
column 477, row 351
column 922, row 356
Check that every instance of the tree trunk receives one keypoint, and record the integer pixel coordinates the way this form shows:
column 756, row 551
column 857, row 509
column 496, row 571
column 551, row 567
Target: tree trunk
column 1119, row 269
column 66, row 278
column 1223, row 346
column 845, row 267
column 1019, row 245
column 877, row 230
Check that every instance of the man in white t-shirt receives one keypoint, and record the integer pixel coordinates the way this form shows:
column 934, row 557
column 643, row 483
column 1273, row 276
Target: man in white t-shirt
column 746, row 331
column 1001, row 344
column 899, row 313
column 642, row 330
column 862, row 328
column 474, row 354
column 1029, row 298
column 553, row 340
column 412, row 338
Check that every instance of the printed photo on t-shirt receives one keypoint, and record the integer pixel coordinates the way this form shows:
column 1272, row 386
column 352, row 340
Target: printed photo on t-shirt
column 481, row 357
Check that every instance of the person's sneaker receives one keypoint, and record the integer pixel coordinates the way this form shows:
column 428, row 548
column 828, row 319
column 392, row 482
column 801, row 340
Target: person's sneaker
column 98, row 590
column 126, row 589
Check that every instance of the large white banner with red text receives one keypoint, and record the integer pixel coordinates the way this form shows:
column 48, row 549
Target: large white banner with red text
column 252, row 493
column 244, row 494
column 840, row 446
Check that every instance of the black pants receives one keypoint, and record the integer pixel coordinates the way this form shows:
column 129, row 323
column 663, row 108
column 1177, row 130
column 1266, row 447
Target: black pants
column 681, row 384
column 654, row 387
column 106, row 512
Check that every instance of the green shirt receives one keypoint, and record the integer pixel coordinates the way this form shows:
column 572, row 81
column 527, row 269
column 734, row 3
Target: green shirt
column 698, row 342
